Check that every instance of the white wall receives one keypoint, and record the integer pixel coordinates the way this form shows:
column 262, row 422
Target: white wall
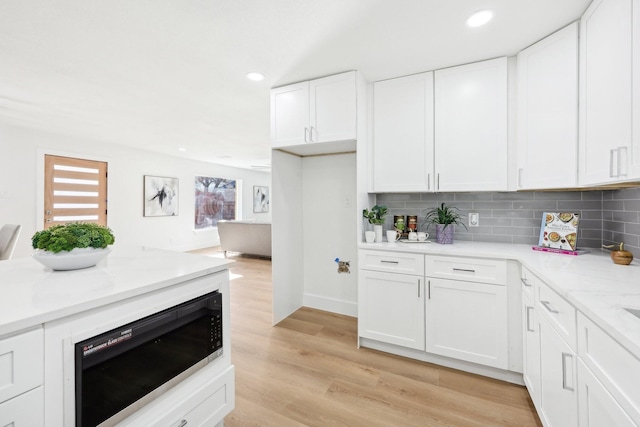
column 21, row 195
column 329, row 217
column 287, row 229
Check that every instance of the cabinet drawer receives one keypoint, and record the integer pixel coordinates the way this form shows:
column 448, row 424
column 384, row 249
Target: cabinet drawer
column 392, row 262
column 26, row 410
column 529, row 282
column 616, row 368
column 560, row 313
column 493, row 271
column 21, row 363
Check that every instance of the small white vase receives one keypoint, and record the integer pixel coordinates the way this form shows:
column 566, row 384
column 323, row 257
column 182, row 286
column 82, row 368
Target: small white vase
column 369, row 236
column 377, row 228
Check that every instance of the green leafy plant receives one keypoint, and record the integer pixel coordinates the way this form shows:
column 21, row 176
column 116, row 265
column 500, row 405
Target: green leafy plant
column 376, row 214
column 399, row 226
column 445, row 215
column 73, row 235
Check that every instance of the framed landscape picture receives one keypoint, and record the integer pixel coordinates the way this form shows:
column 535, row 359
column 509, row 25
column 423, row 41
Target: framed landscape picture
column 160, row 196
column 260, row 199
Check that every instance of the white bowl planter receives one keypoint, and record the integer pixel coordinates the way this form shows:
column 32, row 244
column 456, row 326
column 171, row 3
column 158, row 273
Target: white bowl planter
column 71, row 260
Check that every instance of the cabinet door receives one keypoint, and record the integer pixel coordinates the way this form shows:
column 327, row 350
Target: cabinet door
column 471, row 127
column 558, row 379
column 597, row 407
column 548, row 112
column 467, row 321
column 332, row 111
column 290, row 115
column 26, row 410
column 606, row 91
column 531, row 348
column 402, row 158
column 391, row 308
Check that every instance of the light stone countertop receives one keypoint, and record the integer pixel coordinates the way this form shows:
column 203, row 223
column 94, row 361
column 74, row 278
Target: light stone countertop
column 31, row 294
column 595, row 285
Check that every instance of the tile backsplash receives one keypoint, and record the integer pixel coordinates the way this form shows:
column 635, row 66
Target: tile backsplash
column 515, row 217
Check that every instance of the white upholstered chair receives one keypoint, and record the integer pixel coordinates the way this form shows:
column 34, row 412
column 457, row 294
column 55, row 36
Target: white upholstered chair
column 8, row 237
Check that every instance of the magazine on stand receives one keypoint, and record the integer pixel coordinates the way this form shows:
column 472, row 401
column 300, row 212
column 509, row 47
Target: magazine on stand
column 559, row 233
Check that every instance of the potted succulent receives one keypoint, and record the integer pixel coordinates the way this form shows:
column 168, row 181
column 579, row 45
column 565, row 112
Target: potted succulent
column 72, row 246
column 444, row 217
column 376, row 216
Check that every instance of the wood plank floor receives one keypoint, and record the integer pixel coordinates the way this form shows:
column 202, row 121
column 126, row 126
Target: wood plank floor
column 307, row 371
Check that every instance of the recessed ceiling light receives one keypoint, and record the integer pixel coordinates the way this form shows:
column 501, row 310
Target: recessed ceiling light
column 479, row 18
column 256, row 77
column 182, row 149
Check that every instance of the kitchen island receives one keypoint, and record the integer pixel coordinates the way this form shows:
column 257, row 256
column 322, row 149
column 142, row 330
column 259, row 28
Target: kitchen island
column 43, row 313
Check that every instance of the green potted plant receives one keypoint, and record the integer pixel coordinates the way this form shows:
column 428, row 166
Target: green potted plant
column 443, row 217
column 376, row 216
column 72, row 246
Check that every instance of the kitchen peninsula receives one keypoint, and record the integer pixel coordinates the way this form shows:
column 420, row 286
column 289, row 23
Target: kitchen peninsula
column 44, row 313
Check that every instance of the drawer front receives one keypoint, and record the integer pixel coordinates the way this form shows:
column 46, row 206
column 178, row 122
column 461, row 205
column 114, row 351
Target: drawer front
column 560, row 313
column 26, row 410
column 21, row 363
column 616, row 368
column 392, row 262
column 492, row 271
column 529, row 281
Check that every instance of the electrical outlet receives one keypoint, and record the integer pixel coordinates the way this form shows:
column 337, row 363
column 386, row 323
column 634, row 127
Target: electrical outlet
column 474, row 220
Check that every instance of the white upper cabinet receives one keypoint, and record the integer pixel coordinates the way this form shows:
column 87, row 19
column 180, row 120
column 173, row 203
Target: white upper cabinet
column 321, row 110
column 609, row 139
column 548, row 112
column 471, row 127
column 402, row 155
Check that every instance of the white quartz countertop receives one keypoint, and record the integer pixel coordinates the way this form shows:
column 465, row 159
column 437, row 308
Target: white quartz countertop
column 31, row 294
column 595, row 285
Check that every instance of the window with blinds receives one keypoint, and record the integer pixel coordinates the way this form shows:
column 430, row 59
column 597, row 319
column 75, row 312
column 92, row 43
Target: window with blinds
column 75, row 191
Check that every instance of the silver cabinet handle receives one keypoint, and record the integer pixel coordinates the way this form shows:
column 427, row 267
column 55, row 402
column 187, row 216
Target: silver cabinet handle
column 622, row 164
column 564, row 371
column 549, row 307
column 428, row 181
column 182, row 423
column 438, row 181
column 464, row 269
column 389, row 262
column 611, row 152
column 311, row 134
column 528, row 326
column 429, row 289
column 520, row 177
column 525, row 281
column 306, row 134
column 419, row 287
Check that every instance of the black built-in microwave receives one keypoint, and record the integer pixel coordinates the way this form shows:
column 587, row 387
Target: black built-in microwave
column 121, row 370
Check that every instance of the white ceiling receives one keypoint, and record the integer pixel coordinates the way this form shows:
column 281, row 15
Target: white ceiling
column 167, row 74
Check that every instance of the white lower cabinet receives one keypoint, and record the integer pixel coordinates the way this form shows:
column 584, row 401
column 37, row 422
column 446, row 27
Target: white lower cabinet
column 391, row 308
column 559, row 402
column 531, row 351
column 467, row 321
column 597, row 406
column 26, row 410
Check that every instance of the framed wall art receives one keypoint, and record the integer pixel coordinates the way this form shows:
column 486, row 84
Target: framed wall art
column 160, row 196
column 260, row 199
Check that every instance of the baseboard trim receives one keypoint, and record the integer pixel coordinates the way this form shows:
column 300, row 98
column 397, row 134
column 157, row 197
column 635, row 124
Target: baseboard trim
column 332, row 305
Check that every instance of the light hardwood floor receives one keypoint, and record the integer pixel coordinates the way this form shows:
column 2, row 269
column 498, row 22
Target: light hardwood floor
column 307, row 371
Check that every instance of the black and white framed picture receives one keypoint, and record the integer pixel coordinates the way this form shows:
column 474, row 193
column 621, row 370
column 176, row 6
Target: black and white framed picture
column 260, row 199
column 160, row 196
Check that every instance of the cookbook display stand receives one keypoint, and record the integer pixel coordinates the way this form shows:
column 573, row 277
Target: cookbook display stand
column 559, row 233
